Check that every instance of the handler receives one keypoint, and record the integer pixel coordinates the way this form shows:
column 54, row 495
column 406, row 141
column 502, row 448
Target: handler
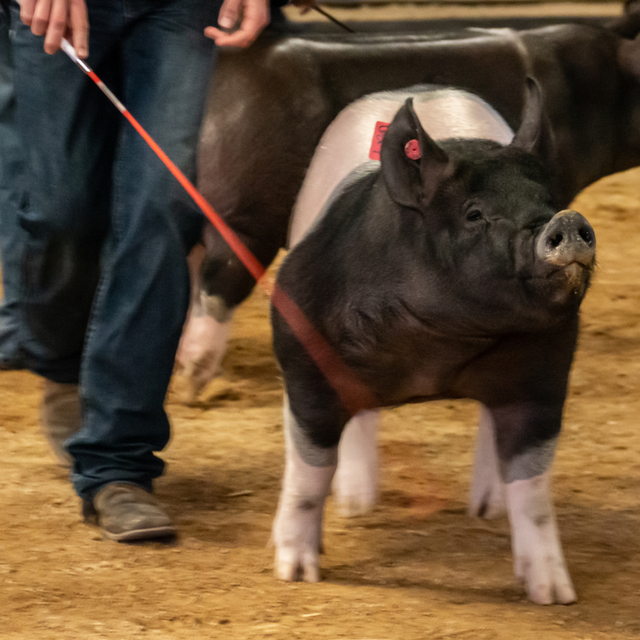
column 12, row 197
column 105, row 287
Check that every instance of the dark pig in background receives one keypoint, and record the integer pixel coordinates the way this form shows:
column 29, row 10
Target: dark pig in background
column 271, row 104
column 444, row 271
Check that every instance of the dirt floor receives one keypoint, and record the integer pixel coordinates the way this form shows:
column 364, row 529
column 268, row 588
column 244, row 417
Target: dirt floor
column 415, row 568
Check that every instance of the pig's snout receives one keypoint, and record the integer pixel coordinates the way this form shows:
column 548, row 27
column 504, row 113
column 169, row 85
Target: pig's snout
column 567, row 238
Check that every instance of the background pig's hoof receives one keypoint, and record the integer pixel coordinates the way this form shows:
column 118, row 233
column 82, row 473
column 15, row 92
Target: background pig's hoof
column 197, row 374
column 202, row 347
column 293, row 565
column 548, row 584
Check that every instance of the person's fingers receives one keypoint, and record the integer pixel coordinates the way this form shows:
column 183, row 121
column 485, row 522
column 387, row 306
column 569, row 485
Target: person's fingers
column 57, row 25
column 40, row 17
column 217, row 35
column 229, row 13
column 79, row 27
column 236, row 39
column 255, row 18
column 27, row 8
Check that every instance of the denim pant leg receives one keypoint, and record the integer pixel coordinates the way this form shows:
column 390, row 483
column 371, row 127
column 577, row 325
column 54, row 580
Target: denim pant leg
column 68, row 131
column 88, row 166
column 12, row 198
column 143, row 293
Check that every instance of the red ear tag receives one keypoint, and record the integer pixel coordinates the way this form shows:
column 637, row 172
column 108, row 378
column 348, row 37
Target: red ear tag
column 376, row 142
column 412, row 150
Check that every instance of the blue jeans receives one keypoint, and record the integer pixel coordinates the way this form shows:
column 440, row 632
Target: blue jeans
column 105, row 287
column 12, row 199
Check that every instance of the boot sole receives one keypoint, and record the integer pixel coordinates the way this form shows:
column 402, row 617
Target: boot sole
column 167, row 531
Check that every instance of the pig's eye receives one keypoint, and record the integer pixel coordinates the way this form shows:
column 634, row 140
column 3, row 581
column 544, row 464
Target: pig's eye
column 473, row 215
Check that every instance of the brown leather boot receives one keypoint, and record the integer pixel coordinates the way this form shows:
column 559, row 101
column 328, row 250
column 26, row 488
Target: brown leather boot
column 60, row 417
column 126, row 513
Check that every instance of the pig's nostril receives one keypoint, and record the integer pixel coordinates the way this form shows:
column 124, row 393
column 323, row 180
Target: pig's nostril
column 586, row 234
column 556, row 240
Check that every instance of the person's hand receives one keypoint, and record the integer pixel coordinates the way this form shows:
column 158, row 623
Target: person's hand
column 254, row 15
column 57, row 19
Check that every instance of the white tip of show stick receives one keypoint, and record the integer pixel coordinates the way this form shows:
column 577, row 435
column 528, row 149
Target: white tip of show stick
column 68, row 48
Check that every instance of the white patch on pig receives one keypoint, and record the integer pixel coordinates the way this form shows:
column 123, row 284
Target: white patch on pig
column 444, row 113
column 297, row 530
column 355, row 485
column 538, row 559
column 487, row 493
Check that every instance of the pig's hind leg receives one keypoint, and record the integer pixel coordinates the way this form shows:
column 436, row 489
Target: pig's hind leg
column 297, row 530
column 487, row 493
column 355, row 484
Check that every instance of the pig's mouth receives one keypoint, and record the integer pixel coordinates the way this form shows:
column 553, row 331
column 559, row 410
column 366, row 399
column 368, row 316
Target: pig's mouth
column 570, row 280
column 561, row 284
column 575, row 273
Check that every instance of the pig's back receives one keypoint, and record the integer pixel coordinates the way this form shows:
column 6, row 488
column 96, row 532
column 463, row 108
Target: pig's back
column 353, row 138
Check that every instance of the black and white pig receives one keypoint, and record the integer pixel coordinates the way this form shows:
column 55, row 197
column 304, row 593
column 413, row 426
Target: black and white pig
column 444, row 271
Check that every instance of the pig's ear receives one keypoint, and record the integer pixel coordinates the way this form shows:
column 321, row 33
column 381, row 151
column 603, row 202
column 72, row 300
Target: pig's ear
column 529, row 135
column 413, row 165
column 629, row 56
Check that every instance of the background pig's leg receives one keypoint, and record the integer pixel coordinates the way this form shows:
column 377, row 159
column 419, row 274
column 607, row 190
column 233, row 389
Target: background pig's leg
column 355, row 484
column 486, row 496
column 222, row 284
column 525, row 461
column 204, row 338
column 297, row 530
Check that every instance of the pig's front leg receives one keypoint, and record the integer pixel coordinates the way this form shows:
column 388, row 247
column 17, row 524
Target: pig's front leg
column 355, row 484
column 487, row 494
column 538, row 558
column 297, row 530
column 537, row 553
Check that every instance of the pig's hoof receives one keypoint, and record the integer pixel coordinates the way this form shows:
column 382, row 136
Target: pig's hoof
column 294, row 564
column 546, row 581
column 350, row 505
column 487, row 504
